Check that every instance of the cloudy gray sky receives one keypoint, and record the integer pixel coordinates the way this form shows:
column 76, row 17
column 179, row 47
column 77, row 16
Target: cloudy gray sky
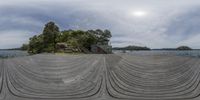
column 152, row 23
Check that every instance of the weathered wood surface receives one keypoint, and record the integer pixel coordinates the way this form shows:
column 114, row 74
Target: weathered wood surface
column 100, row 77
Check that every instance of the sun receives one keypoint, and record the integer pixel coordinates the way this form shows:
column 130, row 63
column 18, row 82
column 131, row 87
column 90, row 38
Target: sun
column 139, row 13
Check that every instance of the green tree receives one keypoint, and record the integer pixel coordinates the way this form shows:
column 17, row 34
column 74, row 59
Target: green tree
column 74, row 43
column 50, row 33
column 105, row 37
column 24, row 47
column 77, row 39
column 36, row 44
column 101, row 37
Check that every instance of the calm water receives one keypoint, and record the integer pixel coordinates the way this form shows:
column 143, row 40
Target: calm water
column 190, row 53
column 12, row 53
column 193, row 53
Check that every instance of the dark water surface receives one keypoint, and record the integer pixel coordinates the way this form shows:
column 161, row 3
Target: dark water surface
column 189, row 53
column 12, row 53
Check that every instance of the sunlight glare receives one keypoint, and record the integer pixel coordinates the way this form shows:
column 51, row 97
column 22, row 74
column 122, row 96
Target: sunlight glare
column 139, row 13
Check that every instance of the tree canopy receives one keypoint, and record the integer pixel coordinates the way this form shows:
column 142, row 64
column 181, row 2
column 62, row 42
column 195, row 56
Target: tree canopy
column 50, row 33
column 77, row 39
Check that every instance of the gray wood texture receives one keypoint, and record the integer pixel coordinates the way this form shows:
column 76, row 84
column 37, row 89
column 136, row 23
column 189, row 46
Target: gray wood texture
column 100, row 77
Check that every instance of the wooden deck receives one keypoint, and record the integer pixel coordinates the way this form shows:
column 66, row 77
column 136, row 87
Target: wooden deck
column 100, row 77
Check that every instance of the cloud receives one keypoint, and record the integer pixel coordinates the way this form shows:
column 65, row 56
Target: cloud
column 13, row 38
column 168, row 23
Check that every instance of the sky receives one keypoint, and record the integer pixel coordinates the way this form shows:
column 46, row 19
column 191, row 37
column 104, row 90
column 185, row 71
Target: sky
column 152, row 23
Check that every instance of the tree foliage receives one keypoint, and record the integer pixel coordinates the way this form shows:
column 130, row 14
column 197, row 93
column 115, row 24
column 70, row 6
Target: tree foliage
column 36, row 44
column 76, row 39
column 24, row 47
column 50, row 34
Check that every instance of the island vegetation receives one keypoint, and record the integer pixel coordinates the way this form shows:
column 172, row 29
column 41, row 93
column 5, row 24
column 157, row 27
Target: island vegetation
column 178, row 48
column 52, row 40
column 183, row 48
column 132, row 48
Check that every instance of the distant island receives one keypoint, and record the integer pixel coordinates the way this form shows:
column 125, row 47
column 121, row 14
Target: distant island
column 184, row 48
column 178, row 48
column 131, row 47
column 137, row 48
